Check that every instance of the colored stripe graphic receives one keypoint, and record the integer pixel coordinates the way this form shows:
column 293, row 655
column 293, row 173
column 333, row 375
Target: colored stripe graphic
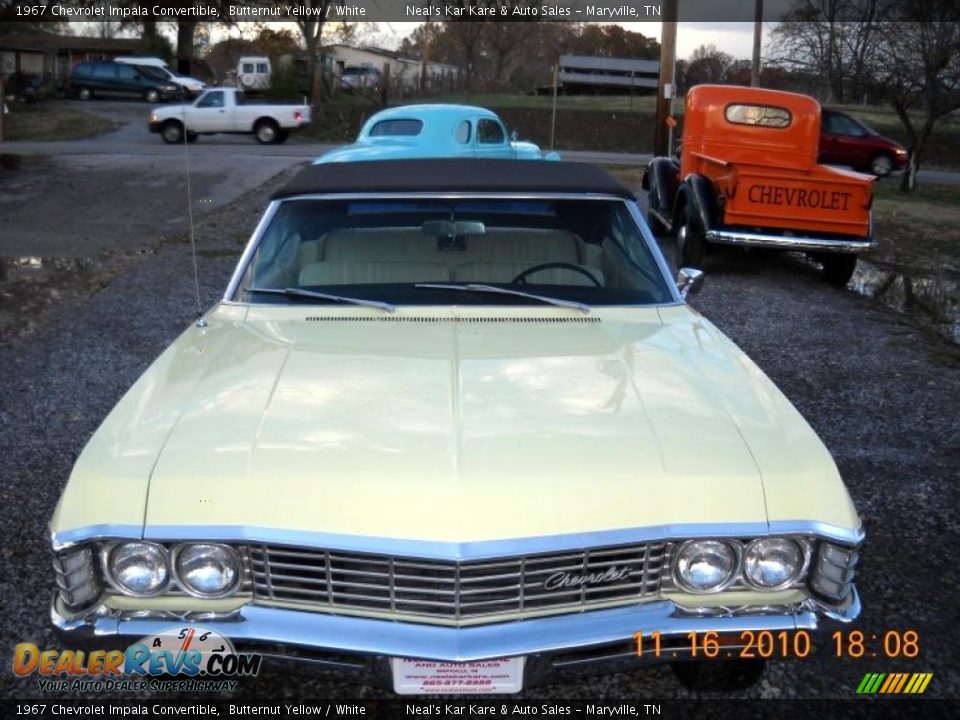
column 894, row 683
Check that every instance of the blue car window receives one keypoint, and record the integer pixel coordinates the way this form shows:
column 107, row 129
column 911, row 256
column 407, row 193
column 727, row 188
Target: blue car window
column 463, row 132
column 399, row 127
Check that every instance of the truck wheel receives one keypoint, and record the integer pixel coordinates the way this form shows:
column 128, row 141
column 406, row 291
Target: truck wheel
column 151, row 96
column 718, row 675
column 266, row 132
column 282, row 135
column 837, row 267
column 192, row 137
column 84, row 93
column 690, row 241
column 172, row 131
column 881, row 164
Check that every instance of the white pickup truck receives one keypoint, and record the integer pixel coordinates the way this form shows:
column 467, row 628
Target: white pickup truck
column 227, row 110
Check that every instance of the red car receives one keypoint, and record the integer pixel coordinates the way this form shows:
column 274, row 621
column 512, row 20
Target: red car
column 845, row 140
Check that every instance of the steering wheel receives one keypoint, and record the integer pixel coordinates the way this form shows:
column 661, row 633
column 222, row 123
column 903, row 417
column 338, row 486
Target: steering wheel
column 521, row 279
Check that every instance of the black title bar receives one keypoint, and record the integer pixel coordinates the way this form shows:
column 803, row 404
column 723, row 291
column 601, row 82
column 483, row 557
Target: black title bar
column 392, row 10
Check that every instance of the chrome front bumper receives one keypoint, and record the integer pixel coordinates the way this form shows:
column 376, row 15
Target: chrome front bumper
column 271, row 627
column 781, row 242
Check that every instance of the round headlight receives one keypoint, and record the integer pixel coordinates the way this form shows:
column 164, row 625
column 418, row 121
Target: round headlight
column 139, row 568
column 208, row 570
column 772, row 563
column 705, row 565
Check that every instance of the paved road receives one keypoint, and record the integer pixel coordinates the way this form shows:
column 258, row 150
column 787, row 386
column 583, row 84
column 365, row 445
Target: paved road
column 134, row 139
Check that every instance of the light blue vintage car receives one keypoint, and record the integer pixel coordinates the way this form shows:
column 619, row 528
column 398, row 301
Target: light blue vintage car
column 419, row 131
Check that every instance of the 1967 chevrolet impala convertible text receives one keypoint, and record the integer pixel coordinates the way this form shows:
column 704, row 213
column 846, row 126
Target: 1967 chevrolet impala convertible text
column 453, row 411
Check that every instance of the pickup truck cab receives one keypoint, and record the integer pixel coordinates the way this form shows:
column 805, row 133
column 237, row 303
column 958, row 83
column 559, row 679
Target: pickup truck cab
column 434, row 131
column 748, row 176
column 228, row 110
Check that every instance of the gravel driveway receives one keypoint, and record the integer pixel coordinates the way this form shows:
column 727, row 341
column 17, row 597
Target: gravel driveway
column 882, row 394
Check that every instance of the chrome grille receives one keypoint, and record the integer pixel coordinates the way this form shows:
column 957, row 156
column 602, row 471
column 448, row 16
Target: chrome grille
column 466, row 592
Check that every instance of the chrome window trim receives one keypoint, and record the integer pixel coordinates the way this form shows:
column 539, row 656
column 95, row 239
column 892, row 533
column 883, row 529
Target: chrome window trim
column 234, row 284
column 470, row 550
column 658, row 257
column 249, row 250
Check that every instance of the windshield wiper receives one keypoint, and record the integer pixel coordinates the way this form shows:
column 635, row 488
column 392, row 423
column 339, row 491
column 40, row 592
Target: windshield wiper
column 310, row 294
column 480, row 288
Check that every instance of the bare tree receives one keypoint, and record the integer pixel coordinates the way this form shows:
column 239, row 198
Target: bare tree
column 708, row 65
column 835, row 39
column 311, row 26
column 919, row 70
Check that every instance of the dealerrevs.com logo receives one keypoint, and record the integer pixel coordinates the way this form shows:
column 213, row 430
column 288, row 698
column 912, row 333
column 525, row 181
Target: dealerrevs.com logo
column 178, row 658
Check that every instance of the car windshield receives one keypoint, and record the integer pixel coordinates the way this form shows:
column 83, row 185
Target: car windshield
column 440, row 252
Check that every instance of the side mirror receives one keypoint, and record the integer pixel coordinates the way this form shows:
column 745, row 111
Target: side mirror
column 689, row 281
column 514, row 136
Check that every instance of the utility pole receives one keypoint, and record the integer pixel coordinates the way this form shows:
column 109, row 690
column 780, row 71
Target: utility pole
column 757, row 38
column 668, row 61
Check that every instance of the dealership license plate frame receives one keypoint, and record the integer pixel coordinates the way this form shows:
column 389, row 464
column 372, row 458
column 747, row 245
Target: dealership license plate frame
column 423, row 677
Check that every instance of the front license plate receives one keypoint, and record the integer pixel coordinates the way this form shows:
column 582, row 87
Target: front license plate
column 421, row 677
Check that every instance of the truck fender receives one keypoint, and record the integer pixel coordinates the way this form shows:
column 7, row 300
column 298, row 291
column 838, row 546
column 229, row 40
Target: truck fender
column 697, row 190
column 660, row 179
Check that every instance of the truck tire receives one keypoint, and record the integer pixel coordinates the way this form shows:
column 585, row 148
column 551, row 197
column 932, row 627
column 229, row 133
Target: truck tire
column 172, row 132
column 718, row 675
column 837, row 267
column 690, row 240
column 282, row 135
column 266, row 132
column 192, row 137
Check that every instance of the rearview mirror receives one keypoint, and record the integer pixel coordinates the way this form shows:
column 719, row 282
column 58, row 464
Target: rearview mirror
column 689, row 281
column 446, row 228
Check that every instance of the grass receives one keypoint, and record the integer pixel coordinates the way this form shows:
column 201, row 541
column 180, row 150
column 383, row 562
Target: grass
column 918, row 230
column 49, row 121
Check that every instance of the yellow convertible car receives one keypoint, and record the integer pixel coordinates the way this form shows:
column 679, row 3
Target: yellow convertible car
column 454, row 426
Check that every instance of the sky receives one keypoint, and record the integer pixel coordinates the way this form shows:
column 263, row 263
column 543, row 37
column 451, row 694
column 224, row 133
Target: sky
column 735, row 38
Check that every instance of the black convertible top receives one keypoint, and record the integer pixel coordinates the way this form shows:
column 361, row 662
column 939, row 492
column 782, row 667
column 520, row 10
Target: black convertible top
column 454, row 175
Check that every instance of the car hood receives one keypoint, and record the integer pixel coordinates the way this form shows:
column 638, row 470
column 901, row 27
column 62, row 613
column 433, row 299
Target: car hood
column 434, row 427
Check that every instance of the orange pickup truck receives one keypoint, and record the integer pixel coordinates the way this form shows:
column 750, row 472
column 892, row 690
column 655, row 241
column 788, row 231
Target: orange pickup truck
column 748, row 176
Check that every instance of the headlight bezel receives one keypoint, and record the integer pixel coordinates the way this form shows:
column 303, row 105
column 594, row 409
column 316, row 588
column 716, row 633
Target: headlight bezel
column 674, row 582
column 802, row 545
column 734, row 546
column 106, row 566
column 178, row 550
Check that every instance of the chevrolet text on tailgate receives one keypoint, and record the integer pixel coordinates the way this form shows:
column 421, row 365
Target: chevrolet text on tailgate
column 748, row 176
column 453, row 424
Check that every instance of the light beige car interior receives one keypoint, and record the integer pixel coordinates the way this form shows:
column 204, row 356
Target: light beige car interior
column 349, row 256
column 408, row 255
